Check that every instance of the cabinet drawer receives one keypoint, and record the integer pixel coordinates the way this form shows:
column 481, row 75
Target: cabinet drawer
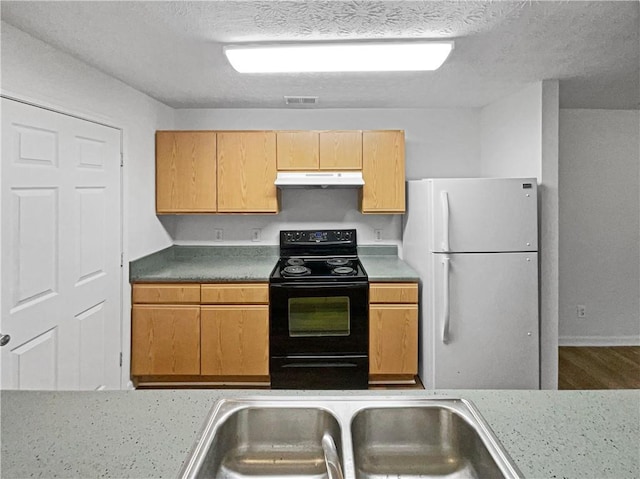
column 393, row 293
column 166, row 293
column 257, row 293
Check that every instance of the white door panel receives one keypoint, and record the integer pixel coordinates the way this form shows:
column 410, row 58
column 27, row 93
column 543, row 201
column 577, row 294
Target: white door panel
column 484, row 215
column 61, row 248
column 492, row 339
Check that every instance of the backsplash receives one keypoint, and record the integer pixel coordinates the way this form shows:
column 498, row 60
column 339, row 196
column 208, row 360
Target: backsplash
column 306, row 208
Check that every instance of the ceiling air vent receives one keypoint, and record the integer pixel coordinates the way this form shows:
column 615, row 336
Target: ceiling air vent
column 300, row 100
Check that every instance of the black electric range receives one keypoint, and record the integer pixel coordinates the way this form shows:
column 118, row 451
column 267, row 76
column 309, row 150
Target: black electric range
column 319, row 314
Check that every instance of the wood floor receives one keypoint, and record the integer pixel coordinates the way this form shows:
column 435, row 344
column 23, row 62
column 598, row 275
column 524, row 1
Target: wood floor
column 615, row 367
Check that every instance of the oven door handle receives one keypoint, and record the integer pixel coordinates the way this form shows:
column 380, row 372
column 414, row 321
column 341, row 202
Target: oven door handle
column 321, row 286
column 320, row 365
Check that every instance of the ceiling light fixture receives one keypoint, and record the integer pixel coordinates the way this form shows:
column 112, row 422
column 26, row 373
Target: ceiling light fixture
column 339, row 57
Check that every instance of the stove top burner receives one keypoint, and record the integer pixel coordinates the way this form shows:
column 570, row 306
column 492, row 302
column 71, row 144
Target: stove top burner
column 317, row 256
column 296, row 270
column 338, row 262
column 343, row 270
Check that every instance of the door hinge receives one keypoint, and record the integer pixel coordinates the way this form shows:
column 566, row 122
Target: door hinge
column 121, row 158
column 121, row 260
column 120, row 359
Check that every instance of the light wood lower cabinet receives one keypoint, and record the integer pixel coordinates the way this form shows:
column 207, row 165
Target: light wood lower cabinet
column 165, row 339
column 393, row 341
column 222, row 338
column 393, row 332
column 235, row 340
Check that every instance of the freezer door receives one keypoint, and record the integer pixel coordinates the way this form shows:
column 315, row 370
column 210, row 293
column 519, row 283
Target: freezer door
column 483, row 215
column 484, row 321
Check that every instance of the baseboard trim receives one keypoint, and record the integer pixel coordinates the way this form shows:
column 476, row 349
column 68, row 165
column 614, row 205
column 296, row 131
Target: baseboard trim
column 599, row 341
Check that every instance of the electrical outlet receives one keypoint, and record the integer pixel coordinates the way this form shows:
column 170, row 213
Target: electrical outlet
column 377, row 234
column 255, row 234
column 581, row 311
column 218, row 234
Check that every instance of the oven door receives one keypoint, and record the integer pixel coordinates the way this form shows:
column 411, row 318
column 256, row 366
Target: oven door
column 319, row 319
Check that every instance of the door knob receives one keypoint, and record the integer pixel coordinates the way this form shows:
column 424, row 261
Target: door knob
column 4, row 339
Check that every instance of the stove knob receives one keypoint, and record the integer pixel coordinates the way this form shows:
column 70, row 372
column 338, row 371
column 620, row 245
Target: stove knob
column 298, row 234
column 347, row 235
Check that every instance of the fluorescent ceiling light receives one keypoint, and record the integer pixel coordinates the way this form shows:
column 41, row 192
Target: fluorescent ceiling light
column 339, row 57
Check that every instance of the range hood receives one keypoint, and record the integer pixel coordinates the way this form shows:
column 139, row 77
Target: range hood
column 322, row 179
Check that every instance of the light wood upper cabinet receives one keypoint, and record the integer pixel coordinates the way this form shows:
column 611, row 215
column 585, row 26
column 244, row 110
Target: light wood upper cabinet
column 341, row 150
column 246, row 172
column 319, row 150
column 235, row 340
column 298, row 150
column 165, row 340
column 383, row 170
column 393, row 340
column 185, row 172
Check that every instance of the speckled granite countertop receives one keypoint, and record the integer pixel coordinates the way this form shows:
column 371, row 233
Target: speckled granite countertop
column 147, row 434
column 248, row 263
column 382, row 264
column 200, row 264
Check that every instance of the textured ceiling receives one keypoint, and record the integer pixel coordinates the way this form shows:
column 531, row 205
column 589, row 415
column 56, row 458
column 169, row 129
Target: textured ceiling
column 173, row 50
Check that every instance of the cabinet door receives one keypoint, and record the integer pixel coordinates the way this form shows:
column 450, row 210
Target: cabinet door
column 165, row 340
column 185, row 172
column 341, row 150
column 383, row 172
column 393, row 339
column 298, row 150
column 235, row 340
column 247, row 172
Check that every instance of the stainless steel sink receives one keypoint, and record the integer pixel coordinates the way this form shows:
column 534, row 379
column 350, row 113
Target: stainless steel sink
column 355, row 437
column 429, row 441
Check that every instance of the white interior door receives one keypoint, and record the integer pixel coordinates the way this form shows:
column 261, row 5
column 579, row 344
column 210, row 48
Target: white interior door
column 61, row 245
column 484, row 215
column 491, row 339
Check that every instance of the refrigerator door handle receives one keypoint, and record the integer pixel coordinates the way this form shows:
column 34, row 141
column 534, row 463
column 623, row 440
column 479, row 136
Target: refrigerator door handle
column 444, row 201
column 447, row 306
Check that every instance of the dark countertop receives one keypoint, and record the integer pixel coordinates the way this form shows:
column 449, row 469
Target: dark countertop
column 202, row 264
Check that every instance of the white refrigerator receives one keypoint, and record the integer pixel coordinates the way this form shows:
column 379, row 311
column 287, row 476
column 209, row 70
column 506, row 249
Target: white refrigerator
column 474, row 242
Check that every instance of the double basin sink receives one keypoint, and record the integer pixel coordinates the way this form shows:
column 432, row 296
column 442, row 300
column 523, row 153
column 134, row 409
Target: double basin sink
column 330, row 437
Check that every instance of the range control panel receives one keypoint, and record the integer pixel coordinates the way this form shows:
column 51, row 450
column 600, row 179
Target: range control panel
column 318, row 236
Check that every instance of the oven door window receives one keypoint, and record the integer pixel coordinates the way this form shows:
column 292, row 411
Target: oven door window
column 323, row 316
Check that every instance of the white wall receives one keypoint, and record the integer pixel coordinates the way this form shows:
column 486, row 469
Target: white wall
column 510, row 131
column 519, row 138
column 36, row 72
column 439, row 143
column 600, row 234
